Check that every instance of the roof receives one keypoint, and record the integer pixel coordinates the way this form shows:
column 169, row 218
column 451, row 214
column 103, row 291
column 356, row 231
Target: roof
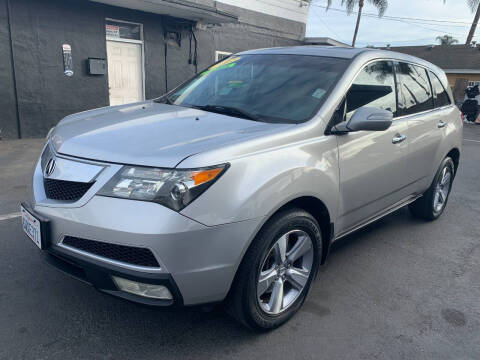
column 324, row 41
column 195, row 10
column 338, row 52
column 362, row 55
column 315, row 50
column 450, row 58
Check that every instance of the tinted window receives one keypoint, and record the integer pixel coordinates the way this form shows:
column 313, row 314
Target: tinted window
column 373, row 87
column 415, row 94
column 441, row 95
column 271, row 88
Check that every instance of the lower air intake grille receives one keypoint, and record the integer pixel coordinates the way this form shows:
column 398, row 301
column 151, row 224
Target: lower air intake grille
column 127, row 254
column 65, row 190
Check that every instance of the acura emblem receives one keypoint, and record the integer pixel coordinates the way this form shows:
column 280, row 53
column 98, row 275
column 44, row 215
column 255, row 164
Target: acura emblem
column 50, row 167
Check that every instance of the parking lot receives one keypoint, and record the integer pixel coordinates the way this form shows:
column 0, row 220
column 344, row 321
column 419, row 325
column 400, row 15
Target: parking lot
column 401, row 288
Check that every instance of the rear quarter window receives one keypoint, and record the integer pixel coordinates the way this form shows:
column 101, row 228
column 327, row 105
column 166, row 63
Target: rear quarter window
column 440, row 94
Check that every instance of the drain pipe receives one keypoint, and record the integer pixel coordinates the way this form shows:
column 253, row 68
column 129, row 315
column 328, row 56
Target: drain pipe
column 19, row 130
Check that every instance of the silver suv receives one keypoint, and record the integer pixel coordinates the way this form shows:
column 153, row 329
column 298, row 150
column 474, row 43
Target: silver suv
column 233, row 186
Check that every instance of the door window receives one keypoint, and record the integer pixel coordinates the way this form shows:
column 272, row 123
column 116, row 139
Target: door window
column 415, row 94
column 122, row 30
column 373, row 87
column 441, row 95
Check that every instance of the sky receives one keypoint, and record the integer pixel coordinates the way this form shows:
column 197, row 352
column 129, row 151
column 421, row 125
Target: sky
column 382, row 31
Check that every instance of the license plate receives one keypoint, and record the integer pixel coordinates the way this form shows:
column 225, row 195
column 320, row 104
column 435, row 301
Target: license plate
column 31, row 226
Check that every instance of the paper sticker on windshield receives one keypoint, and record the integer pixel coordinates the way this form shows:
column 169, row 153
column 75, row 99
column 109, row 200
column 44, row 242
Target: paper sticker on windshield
column 318, row 93
column 235, row 83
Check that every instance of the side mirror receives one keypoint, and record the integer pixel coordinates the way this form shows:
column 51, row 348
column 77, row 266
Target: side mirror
column 366, row 118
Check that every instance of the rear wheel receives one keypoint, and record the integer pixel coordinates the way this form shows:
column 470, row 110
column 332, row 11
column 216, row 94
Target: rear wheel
column 432, row 204
column 277, row 270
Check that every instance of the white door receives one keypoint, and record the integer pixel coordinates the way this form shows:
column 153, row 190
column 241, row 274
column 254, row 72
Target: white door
column 125, row 77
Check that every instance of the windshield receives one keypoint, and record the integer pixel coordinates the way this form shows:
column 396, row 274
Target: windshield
column 269, row 88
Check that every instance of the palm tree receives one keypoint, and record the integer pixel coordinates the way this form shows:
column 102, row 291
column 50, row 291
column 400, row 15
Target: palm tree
column 473, row 4
column 381, row 5
column 447, row 40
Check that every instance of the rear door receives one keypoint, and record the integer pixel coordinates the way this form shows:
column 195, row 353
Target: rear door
column 416, row 105
column 372, row 163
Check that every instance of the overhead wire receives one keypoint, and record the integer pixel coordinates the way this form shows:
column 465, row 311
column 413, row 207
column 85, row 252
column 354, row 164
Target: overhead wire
column 412, row 21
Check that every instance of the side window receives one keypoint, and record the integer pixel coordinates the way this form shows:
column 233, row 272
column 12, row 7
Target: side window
column 441, row 95
column 374, row 87
column 415, row 94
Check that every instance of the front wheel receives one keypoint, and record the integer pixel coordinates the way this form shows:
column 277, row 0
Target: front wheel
column 431, row 205
column 277, row 270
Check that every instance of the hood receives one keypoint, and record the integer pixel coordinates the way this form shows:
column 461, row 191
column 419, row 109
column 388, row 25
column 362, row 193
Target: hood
column 151, row 134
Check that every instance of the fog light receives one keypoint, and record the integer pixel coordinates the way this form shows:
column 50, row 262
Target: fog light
column 146, row 290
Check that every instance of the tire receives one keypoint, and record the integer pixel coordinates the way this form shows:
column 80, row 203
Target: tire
column 253, row 301
column 427, row 207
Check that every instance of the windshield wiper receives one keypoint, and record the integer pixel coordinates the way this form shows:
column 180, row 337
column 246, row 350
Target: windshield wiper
column 227, row 110
column 164, row 100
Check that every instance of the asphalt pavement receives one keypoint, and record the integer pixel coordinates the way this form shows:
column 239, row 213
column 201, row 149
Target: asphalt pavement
column 401, row 288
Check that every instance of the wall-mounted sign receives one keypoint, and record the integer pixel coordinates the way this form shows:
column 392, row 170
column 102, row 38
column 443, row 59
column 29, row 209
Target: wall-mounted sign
column 67, row 60
column 112, row 30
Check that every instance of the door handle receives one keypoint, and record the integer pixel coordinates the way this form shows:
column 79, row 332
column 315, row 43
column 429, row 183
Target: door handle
column 398, row 138
column 441, row 124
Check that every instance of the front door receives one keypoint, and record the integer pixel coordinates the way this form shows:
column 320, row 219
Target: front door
column 125, row 76
column 372, row 163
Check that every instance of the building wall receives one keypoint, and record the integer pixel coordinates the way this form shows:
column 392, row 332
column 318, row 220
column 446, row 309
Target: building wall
column 45, row 94
column 8, row 117
column 283, row 18
column 294, row 10
column 40, row 27
column 453, row 77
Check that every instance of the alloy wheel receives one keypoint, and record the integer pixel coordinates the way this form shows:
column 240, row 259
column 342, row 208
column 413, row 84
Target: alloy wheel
column 442, row 188
column 285, row 272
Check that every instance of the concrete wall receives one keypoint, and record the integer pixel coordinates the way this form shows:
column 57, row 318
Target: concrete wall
column 8, row 117
column 40, row 27
column 45, row 94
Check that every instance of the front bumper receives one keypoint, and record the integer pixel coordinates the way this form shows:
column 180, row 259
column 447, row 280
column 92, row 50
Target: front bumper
column 100, row 275
column 197, row 263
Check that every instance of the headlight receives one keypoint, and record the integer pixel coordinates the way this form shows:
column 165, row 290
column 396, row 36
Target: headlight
column 174, row 188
